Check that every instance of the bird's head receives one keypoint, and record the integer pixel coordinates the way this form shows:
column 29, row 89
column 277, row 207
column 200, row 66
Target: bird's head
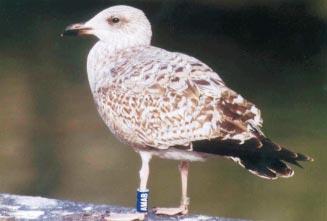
column 121, row 26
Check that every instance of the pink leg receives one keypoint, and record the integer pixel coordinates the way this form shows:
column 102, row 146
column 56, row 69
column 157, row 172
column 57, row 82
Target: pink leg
column 144, row 175
column 144, row 171
column 185, row 201
column 183, row 168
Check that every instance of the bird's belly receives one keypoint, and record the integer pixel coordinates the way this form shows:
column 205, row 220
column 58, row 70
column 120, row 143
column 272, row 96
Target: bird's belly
column 176, row 154
column 120, row 130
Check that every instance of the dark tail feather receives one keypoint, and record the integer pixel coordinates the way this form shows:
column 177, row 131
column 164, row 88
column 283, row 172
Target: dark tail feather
column 267, row 160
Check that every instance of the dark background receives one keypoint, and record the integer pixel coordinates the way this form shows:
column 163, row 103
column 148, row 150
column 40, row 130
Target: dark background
column 53, row 143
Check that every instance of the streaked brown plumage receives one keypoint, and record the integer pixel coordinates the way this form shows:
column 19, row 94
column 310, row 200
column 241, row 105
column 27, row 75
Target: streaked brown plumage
column 172, row 105
column 173, row 100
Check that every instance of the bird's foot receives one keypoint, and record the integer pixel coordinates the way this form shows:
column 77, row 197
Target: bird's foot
column 182, row 210
column 125, row 217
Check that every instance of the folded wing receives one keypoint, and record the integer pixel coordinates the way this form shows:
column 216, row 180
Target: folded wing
column 174, row 101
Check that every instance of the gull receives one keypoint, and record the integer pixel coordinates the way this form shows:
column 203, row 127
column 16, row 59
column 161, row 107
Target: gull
column 171, row 105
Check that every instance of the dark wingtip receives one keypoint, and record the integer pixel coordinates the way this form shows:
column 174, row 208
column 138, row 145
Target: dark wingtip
column 302, row 157
column 310, row 159
column 294, row 162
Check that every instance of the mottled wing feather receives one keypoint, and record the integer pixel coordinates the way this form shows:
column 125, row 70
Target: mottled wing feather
column 161, row 99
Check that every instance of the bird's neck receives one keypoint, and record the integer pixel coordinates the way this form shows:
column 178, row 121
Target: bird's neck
column 101, row 59
column 117, row 41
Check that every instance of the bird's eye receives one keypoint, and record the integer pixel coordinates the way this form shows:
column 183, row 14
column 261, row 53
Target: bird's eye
column 115, row 20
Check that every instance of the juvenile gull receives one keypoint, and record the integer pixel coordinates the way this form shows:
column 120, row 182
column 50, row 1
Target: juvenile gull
column 171, row 105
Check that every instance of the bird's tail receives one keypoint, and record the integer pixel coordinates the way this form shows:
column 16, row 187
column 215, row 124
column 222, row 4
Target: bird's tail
column 266, row 161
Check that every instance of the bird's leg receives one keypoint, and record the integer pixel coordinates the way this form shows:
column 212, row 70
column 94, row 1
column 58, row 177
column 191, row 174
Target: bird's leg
column 185, row 201
column 144, row 171
column 142, row 194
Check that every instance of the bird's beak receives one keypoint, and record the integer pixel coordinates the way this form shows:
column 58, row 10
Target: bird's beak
column 77, row 30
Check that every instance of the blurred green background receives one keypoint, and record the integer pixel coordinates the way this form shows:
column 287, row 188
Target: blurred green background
column 53, row 143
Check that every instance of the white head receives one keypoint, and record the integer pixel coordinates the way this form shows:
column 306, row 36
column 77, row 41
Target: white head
column 120, row 26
